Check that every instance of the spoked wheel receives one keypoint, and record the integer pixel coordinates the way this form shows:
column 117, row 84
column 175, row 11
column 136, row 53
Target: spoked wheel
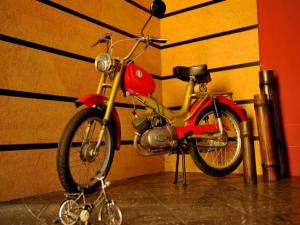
column 221, row 156
column 110, row 214
column 79, row 162
column 69, row 212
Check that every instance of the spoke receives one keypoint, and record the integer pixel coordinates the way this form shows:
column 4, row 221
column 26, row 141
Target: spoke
column 75, row 160
column 206, row 154
column 92, row 130
column 75, row 172
column 81, row 133
column 75, row 164
column 86, row 134
column 219, row 157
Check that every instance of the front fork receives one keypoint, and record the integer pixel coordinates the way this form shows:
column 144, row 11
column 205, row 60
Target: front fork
column 110, row 102
column 217, row 114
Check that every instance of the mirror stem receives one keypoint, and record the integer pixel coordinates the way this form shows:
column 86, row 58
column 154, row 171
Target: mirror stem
column 142, row 32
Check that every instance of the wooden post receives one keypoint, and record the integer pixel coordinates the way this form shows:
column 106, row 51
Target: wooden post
column 266, row 139
column 268, row 86
column 249, row 164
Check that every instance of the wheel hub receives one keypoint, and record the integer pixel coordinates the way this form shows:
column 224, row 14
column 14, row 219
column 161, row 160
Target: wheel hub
column 88, row 152
column 222, row 141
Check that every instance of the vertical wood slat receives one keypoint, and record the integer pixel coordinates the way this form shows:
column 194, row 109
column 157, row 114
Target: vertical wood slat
column 266, row 138
column 268, row 86
column 249, row 165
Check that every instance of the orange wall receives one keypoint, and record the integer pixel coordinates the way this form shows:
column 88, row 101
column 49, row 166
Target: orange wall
column 36, row 121
column 279, row 32
column 236, row 48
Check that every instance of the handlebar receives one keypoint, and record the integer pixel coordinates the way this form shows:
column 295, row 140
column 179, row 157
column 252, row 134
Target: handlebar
column 146, row 39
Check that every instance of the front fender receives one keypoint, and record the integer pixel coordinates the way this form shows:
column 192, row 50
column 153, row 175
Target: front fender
column 90, row 100
column 100, row 100
column 221, row 100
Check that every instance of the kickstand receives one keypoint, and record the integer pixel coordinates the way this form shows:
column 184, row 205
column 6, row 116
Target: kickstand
column 176, row 170
column 181, row 149
column 183, row 169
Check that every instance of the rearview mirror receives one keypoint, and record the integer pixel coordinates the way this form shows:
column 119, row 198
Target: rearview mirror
column 158, row 8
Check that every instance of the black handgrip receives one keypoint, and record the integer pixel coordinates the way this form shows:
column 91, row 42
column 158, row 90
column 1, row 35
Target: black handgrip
column 158, row 40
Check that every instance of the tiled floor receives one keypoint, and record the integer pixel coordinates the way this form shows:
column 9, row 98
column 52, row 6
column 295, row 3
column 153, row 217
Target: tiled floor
column 153, row 199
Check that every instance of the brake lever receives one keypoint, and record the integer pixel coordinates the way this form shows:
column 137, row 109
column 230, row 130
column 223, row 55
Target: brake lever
column 106, row 39
column 100, row 41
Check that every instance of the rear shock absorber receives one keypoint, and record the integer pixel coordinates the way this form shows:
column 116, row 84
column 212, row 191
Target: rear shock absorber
column 217, row 114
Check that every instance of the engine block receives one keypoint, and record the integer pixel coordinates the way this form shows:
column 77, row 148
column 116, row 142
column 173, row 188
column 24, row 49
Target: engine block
column 159, row 137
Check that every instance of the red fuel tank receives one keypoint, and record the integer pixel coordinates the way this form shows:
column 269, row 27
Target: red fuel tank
column 137, row 81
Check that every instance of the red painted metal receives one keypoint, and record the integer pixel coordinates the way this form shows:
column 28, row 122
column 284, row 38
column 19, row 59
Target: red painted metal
column 205, row 129
column 95, row 99
column 208, row 102
column 137, row 81
column 90, row 100
column 197, row 130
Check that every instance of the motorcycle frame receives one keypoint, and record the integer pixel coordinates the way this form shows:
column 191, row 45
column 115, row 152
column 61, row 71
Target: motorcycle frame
column 185, row 113
column 185, row 116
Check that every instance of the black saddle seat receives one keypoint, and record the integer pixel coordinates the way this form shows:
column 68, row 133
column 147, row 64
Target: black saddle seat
column 200, row 73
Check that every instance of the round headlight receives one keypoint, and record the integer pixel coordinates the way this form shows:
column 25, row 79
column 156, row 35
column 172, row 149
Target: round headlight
column 103, row 62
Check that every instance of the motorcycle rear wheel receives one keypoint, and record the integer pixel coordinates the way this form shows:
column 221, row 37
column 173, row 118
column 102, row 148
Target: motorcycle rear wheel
column 78, row 162
column 223, row 159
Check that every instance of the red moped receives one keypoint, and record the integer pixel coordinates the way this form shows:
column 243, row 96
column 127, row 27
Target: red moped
column 206, row 125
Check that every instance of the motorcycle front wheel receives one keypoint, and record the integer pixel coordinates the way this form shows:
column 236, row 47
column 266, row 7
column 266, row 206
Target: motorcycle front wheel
column 79, row 163
column 218, row 157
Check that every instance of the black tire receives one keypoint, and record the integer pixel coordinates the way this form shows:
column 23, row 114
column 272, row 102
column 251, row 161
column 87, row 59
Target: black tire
column 71, row 172
column 204, row 157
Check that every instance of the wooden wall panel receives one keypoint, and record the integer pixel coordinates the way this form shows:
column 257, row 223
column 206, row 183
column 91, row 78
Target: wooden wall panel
column 36, row 173
column 36, row 121
column 128, row 163
column 197, row 37
column 28, row 69
column 212, row 19
column 32, row 121
column 174, row 5
column 32, row 70
column 74, row 35
column 26, row 173
column 235, row 81
column 217, row 52
column 37, row 51
column 118, row 13
column 41, row 72
column 144, row 3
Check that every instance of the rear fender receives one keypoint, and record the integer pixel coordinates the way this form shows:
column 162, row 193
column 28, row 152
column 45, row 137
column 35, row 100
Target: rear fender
column 208, row 102
column 100, row 100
